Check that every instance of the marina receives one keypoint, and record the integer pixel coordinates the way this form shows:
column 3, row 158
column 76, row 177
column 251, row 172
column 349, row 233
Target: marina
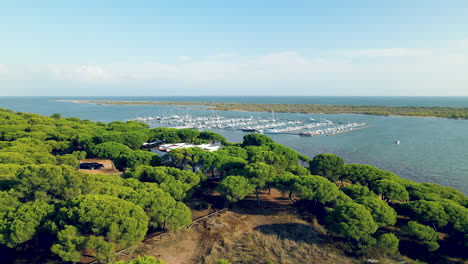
column 309, row 127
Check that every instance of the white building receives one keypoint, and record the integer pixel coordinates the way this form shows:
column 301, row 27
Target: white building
column 164, row 149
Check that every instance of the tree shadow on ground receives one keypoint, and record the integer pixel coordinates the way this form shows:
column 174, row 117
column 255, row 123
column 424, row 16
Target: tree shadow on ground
column 297, row 232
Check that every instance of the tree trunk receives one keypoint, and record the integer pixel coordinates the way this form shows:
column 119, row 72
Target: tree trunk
column 291, row 197
column 258, row 199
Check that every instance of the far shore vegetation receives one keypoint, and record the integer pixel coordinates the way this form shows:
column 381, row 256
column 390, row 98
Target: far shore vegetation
column 378, row 110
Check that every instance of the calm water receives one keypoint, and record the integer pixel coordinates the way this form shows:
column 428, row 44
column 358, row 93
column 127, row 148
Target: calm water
column 431, row 149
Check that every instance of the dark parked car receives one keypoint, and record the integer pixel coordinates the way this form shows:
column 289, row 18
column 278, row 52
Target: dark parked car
column 91, row 166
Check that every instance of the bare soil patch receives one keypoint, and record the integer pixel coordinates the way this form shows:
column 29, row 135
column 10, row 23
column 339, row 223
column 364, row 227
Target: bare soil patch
column 109, row 167
column 248, row 234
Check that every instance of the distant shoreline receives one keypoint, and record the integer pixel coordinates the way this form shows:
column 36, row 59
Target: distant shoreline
column 403, row 111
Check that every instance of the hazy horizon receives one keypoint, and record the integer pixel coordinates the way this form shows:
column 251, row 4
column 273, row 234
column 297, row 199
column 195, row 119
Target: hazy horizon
column 212, row 48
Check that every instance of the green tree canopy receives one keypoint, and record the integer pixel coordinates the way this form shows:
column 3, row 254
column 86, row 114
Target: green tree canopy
column 390, row 190
column 233, row 151
column 52, row 183
column 135, row 158
column 327, row 165
column 422, row 234
column 351, row 221
column 427, row 212
column 361, row 173
column 110, row 150
column 356, row 191
column 235, row 188
column 316, row 188
column 20, row 223
column 188, row 135
column 98, row 222
column 256, row 140
column 230, row 165
column 298, row 170
column 140, row 260
column 212, row 137
column 388, row 242
column 176, row 182
column 382, row 213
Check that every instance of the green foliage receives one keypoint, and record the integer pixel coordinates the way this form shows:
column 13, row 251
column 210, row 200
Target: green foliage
column 80, row 155
column 168, row 135
column 422, row 235
column 427, row 212
column 20, row 223
column 176, row 182
column 159, row 205
column 185, row 158
column 69, row 244
column 360, row 173
column 279, row 162
column 102, row 249
column 256, row 140
column 390, row 190
column 188, row 135
column 101, row 221
column 208, row 161
column 352, row 221
column 141, row 260
column 56, row 116
column 223, row 261
column 287, row 182
column 260, row 174
column 230, row 165
column 110, row 150
column 233, row 151
column 135, row 158
column 388, row 242
column 52, row 183
column 235, row 188
column 132, row 139
column 432, row 191
column 298, row 170
column 356, row 191
column 457, row 216
column 67, row 159
column 291, row 155
column 212, row 137
column 382, row 213
column 9, row 170
column 327, row 165
column 316, row 188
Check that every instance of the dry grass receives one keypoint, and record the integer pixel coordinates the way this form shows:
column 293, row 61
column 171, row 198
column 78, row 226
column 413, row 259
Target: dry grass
column 271, row 243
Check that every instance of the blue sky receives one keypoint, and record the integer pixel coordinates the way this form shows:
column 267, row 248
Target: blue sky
column 234, row 48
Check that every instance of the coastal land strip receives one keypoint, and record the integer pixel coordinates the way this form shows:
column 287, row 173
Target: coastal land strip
column 415, row 111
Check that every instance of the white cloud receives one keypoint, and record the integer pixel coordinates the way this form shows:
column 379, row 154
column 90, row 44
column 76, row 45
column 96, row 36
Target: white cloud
column 412, row 72
column 91, row 73
column 184, row 58
column 3, row 70
column 376, row 53
column 226, row 55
